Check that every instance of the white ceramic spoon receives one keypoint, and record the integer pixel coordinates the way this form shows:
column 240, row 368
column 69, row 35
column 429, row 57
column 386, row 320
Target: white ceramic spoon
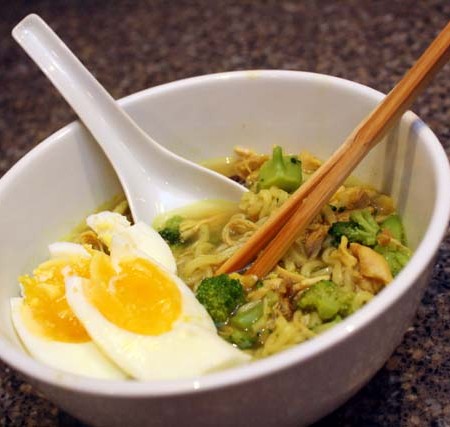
column 154, row 179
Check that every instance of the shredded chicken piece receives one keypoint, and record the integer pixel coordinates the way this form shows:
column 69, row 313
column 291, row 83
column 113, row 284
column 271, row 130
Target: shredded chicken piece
column 248, row 164
column 309, row 163
column 352, row 198
column 286, row 308
column 314, row 240
column 296, row 281
column 368, row 285
column 371, row 264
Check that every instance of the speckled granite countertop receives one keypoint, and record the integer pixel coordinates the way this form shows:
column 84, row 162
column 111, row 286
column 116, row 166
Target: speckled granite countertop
column 131, row 45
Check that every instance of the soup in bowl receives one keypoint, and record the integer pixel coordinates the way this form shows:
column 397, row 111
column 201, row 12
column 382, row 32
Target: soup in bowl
column 67, row 177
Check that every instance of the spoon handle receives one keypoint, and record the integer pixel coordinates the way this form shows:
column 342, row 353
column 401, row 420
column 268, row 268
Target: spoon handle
column 278, row 233
column 111, row 126
column 92, row 103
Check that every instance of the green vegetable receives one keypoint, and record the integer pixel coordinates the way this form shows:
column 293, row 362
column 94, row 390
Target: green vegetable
column 361, row 298
column 327, row 299
column 362, row 228
column 284, row 172
column 247, row 315
column 327, row 325
column 221, row 296
column 243, row 339
column 393, row 224
column 171, row 231
column 248, row 326
column 396, row 256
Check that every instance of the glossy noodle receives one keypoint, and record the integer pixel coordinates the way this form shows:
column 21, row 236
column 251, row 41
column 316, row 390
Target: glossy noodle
column 355, row 269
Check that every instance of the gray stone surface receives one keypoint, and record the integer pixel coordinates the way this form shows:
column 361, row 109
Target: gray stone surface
column 131, row 45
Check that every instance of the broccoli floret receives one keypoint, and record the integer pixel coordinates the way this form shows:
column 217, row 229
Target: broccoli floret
column 365, row 220
column 221, row 296
column 171, row 231
column 327, row 325
column 327, row 299
column 396, row 256
column 343, row 228
column 284, row 172
column 362, row 228
column 393, row 250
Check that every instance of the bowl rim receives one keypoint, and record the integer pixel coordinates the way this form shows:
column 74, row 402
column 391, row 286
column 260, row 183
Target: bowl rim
column 422, row 256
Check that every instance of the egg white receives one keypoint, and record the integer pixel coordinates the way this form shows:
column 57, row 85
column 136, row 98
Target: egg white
column 124, row 239
column 143, row 241
column 188, row 350
column 77, row 358
column 107, row 223
column 64, row 249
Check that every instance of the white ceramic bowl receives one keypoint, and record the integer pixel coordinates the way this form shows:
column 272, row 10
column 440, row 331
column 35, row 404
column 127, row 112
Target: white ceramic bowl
column 58, row 183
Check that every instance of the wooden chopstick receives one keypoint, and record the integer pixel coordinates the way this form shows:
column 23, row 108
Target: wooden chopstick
column 278, row 233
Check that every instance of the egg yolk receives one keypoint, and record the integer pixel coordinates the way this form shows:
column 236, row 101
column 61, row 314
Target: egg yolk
column 44, row 295
column 140, row 298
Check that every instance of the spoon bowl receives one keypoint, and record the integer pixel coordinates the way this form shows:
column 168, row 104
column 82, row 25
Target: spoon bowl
column 154, row 179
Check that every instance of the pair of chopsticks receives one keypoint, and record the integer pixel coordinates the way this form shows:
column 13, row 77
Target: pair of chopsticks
column 275, row 237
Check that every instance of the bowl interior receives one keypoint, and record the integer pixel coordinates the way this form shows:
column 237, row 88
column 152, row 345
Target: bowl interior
column 65, row 178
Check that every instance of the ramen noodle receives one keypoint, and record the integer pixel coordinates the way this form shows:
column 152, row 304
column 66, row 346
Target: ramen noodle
column 212, row 232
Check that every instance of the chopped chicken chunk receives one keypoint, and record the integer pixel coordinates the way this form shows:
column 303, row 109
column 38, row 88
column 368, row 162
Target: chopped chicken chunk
column 371, row 264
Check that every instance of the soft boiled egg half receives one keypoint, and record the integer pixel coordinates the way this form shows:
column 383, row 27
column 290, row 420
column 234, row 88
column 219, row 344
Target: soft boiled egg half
column 125, row 313
column 48, row 327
